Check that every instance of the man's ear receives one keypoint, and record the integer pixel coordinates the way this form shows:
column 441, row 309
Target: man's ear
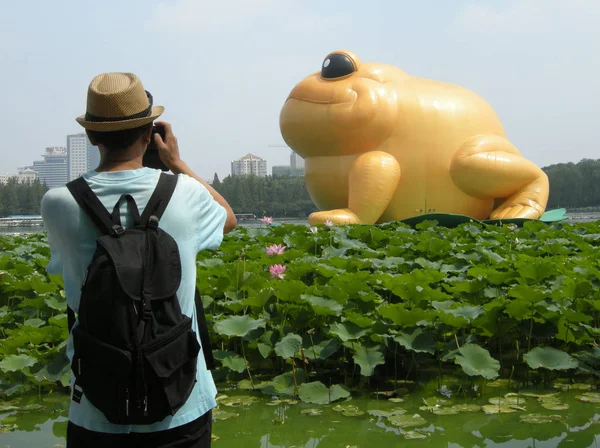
column 147, row 135
column 92, row 141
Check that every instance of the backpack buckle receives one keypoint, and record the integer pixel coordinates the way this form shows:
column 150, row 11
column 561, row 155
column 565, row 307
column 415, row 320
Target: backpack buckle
column 118, row 230
column 153, row 222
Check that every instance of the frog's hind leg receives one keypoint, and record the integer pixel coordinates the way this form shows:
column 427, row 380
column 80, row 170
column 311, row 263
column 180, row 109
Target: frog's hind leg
column 489, row 166
column 372, row 180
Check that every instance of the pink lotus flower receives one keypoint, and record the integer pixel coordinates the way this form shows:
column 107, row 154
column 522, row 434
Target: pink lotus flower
column 277, row 271
column 275, row 249
column 328, row 223
column 512, row 227
column 266, row 220
column 314, row 230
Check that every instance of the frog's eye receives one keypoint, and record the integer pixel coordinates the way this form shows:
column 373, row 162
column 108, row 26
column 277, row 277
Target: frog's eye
column 337, row 65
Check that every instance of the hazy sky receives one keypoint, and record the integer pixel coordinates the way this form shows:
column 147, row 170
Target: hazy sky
column 223, row 68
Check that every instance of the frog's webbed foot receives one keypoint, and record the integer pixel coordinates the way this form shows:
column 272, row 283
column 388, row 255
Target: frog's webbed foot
column 372, row 180
column 338, row 217
column 489, row 166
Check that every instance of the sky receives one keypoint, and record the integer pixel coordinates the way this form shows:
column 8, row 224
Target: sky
column 223, row 68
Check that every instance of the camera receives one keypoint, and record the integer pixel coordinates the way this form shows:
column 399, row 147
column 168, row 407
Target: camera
column 151, row 157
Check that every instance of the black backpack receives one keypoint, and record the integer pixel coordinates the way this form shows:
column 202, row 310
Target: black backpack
column 135, row 352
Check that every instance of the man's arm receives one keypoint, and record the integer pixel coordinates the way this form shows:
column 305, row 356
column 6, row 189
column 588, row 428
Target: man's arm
column 168, row 151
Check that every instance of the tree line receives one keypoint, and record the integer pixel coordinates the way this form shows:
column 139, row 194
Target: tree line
column 21, row 198
column 266, row 196
column 574, row 185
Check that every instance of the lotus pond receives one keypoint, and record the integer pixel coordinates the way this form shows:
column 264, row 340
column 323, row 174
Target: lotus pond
column 351, row 336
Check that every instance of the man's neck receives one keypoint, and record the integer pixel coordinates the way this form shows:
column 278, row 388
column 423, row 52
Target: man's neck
column 128, row 159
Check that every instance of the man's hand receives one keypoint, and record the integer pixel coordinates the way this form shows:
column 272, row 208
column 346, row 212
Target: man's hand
column 169, row 154
column 168, row 150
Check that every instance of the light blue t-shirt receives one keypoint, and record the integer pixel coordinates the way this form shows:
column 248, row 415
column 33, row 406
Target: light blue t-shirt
column 195, row 221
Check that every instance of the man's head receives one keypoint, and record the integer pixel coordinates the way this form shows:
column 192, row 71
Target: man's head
column 119, row 111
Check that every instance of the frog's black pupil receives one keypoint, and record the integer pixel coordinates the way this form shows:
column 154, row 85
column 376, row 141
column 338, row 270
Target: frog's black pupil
column 339, row 65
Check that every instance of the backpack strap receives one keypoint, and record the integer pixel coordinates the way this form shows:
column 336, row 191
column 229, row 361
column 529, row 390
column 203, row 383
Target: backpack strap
column 90, row 204
column 116, row 214
column 160, row 198
column 203, row 330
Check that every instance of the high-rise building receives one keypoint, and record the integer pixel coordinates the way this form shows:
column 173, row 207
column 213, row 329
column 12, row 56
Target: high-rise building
column 296, row 162
column 81, row 156
column 53, row 169
column 249, row 165
column 25, row 176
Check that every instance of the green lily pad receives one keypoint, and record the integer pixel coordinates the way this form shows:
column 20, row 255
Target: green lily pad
column 574, row 386
column 381, row 413
column 550, row 358
column 414, row 435
column 554, row 405
column 239, row 401
column 538, row 419
column 288, row 346
column 407, row 421
column 353, row 413
column 8, row 407
column 476, row 361
column 317, row 393
column 467, row 408
column 248, row 385
column 510, row 400
column 368, row 358
column 440, row 410
column 219, row 414
column 238, row 326
column 589, row 397
column 14, row 363
column 311, row 412
column 396, row 400
column 498, row 409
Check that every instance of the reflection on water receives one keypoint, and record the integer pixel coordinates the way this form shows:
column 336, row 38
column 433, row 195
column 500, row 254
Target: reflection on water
column 258, row 425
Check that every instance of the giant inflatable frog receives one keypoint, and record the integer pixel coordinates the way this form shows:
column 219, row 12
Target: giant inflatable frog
column 380, row 145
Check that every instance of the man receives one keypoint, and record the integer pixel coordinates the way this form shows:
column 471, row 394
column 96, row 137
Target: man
column 118, row 120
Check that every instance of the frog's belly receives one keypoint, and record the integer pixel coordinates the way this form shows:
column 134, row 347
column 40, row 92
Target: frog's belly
column 327, row 180
column 424, row 187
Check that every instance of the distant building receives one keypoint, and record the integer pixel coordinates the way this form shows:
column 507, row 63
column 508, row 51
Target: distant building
column 53, row 169
column 296, row 162
column 26, row 175
column 81, row 156
column 287, row 171
column 249, row 165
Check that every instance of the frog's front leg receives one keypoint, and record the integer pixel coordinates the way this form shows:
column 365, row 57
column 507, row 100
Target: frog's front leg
column 372, row 181
column 489, row 166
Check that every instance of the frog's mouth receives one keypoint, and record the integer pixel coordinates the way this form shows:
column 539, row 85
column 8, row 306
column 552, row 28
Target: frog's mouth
column 317, row 91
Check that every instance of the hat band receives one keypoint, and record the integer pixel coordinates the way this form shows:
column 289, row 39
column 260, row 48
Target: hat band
column 142, row 114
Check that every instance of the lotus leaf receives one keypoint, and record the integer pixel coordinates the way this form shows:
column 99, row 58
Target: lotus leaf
column 419, row 340
column 347, row 331
column 288, row 346
column 476, row 361
column 549, row 358
column 317, row 393
column 238, row 326
column 368, row 358
column 14, row 363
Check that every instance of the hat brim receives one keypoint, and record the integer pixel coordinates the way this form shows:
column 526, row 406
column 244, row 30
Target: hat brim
column 109, row 126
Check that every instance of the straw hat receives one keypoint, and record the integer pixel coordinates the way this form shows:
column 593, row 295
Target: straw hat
column 118, row 101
